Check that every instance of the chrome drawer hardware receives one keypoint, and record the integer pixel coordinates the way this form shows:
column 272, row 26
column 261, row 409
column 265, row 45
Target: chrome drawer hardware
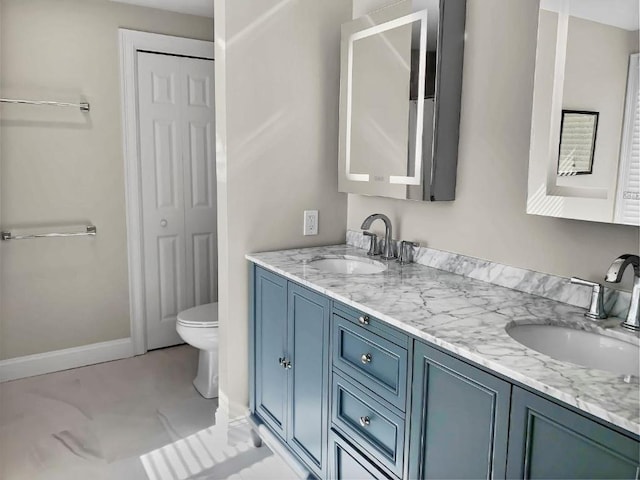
column 366, row 358
column 365, row 421
column 364, row 320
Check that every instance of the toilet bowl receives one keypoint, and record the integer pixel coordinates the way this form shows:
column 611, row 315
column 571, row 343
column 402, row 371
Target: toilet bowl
column 198, row 326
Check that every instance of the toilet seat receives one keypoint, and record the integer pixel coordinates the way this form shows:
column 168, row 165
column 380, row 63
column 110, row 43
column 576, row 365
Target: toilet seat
column 202, row 316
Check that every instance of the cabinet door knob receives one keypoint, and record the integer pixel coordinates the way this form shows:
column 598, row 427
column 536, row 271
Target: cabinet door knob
column 366, row 358
column 280, row 361
column 286, row 364
column 163, row 223
column 365, row 421
column 364, row 320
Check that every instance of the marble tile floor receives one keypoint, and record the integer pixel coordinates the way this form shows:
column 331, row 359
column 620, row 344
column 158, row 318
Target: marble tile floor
column 134, row 419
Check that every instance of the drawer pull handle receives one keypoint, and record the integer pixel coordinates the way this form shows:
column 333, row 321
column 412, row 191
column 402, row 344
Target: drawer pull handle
column 364, row 320
column 366, row 358
column 365, row 421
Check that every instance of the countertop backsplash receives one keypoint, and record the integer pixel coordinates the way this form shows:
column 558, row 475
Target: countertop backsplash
column 527, row 281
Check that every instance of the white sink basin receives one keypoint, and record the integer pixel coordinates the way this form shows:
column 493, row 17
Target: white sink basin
column 584, row 348
column 347, row 264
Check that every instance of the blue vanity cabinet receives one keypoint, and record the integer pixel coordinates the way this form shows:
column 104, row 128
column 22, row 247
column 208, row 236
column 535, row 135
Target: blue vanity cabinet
column 353, row 397
column 459, row 419
column 290, row 378
column 549, row 441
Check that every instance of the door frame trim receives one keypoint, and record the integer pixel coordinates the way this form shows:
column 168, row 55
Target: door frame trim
column 131, row 41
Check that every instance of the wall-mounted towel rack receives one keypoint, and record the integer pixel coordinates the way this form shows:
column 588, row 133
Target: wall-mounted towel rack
column 83, row 106
column 90, row 230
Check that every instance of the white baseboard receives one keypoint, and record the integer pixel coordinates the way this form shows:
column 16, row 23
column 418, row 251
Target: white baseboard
column 40, row 363
column 229, row 412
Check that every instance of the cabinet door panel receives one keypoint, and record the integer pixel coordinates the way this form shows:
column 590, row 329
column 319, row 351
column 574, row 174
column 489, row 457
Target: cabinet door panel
column 459, row 419
column 270, row 336
column 550, row 441
column 308, row 334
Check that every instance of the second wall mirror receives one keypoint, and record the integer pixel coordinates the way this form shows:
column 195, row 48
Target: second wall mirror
column 584, row 160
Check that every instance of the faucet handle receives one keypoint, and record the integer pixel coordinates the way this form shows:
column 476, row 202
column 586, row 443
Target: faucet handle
column 596, row 308
column 374, row 244
column 404, row 256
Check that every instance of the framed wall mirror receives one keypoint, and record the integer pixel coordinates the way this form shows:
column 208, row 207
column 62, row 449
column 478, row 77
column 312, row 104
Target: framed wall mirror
column 401, row 78
column 584, row 160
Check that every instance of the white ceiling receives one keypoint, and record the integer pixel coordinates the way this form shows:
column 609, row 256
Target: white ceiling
column 619, row 13
column 203, row 8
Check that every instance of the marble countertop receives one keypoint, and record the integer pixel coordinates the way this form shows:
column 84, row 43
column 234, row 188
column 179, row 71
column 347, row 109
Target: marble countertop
column 468, row 317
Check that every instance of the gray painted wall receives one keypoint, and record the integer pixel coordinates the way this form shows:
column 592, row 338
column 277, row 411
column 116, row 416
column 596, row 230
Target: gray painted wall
column 60, row 167
column 277, row 79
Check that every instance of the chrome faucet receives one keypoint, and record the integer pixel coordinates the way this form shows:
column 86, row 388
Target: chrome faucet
column 387, row 253
column 614, row 275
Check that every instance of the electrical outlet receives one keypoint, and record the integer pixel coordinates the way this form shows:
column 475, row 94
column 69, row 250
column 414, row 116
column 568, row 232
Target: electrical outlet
column 310, row 222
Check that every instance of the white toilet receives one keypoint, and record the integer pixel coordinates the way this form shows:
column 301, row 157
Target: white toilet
column 198, row 326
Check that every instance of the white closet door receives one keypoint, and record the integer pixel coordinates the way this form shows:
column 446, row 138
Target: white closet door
column 200, row 181
column 176, row 126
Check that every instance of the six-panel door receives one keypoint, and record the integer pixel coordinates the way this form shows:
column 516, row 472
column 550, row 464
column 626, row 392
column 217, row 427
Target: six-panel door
column 178, row 189
column 270, row 345
column 459, row 419
column 549, row 441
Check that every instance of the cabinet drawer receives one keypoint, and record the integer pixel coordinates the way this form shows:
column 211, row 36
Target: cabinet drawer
column 378, row 364
column 348, row 464
column 371, row 324
column 371, row 425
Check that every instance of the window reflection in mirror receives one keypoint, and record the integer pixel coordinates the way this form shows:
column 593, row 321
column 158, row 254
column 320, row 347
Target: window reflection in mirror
column 577, row 142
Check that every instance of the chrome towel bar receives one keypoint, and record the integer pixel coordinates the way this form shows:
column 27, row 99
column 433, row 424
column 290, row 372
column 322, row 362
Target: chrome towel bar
column 83, row 106
column 90, row 230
